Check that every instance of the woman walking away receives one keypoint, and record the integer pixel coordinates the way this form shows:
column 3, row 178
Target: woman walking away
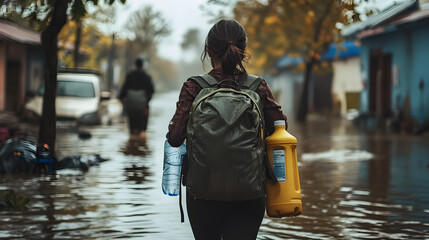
column 225, row 116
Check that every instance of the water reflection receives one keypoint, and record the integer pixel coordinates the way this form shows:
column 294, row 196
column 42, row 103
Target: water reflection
column 136, row 147
column 357, row 186
column 136, row 171
column 354, row 186
column 136, row 174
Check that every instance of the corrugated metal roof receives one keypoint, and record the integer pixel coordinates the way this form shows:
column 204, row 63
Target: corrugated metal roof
column 411, row 17
column 415, row 16
column 15, row 33
column 380, row 18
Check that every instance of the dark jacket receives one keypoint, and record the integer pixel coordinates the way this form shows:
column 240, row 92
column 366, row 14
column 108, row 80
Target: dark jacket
column 137, row 79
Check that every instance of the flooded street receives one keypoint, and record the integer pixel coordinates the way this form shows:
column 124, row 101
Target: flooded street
column 354, row 186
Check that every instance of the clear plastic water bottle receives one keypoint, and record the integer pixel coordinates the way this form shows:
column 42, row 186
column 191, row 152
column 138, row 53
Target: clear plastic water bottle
column 173, row 157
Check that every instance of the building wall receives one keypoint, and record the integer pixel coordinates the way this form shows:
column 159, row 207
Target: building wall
column 409, row 49
column 287, row 88
column 420, row 75
column 29, row 77
column 347, row 79
column 34, row 76
column 2, row 74
column 17, row 52
column 393, row 43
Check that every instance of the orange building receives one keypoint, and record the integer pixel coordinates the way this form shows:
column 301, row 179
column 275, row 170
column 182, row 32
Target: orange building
column 21, row 65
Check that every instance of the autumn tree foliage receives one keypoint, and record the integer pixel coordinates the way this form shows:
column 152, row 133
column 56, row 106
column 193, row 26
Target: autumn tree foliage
column 302, row 28
column 99, row 42
column 93, row 46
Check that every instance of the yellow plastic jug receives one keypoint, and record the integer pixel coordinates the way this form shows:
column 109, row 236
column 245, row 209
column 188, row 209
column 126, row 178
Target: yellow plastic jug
column 284, row 197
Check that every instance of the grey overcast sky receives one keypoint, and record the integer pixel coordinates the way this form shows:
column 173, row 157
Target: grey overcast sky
column 182, row 15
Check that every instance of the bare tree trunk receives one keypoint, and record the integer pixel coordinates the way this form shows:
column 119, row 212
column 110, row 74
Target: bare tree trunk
column 303, row 104
column 47, row 127
column 77, row 44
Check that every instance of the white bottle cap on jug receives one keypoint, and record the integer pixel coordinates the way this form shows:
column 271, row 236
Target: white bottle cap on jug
column 279, row 123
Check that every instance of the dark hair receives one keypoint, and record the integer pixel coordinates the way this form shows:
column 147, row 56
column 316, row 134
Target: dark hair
column 227, row 41
column 139, row 63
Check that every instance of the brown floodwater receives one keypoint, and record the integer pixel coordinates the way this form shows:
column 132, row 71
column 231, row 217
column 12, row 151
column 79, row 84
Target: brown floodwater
column 354, row 185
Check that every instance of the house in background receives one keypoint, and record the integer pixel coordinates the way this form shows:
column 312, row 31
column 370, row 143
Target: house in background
column 287, row 83
column 394, row 65
column 336, row 88
column 21, row 65
column 347, row 81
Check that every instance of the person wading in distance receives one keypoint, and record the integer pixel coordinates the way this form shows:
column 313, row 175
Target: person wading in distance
column 135, row 95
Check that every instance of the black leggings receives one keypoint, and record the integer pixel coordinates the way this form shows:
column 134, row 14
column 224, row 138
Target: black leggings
column 138, row 120
column 225, row 220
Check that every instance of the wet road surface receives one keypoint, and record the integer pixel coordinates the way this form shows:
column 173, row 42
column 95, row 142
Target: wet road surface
column 354, row 186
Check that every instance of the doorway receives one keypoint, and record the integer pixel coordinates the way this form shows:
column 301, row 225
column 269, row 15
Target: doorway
column 380, row 84
column 13, row 85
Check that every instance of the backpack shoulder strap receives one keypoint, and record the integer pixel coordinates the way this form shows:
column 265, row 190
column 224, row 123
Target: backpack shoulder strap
column 204, row 80
column 252, row 82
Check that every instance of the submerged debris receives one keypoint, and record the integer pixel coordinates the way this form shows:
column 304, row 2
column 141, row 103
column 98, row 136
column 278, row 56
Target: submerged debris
column 19, row 156
column 14, row 201
column 83, row 162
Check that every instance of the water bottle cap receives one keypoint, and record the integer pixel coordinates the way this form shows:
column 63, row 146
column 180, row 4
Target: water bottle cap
column 279, row 123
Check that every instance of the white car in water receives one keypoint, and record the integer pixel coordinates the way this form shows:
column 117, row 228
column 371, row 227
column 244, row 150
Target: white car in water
column 79, row 97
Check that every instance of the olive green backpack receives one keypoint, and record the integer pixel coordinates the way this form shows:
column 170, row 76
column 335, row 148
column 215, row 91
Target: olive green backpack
column 225, row 141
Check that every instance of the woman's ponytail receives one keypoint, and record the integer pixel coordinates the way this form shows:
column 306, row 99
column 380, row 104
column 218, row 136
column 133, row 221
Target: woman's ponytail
column 227, row 40
column 232, row 60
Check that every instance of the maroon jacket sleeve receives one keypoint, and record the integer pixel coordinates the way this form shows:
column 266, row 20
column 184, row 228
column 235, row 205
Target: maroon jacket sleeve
column 179, row 122
column 272, row 110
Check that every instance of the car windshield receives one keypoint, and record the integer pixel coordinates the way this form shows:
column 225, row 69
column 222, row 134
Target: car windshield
column 75, row 89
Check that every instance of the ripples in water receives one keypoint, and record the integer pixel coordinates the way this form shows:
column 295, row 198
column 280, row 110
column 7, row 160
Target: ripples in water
column 354, row 186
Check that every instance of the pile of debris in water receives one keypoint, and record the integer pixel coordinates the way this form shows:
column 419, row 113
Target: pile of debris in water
column 20, row 155
column 18, row 151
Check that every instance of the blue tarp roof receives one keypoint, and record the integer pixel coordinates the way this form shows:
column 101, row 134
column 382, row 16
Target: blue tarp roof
column 335, row 51
column 288, row 61
column 343, row 50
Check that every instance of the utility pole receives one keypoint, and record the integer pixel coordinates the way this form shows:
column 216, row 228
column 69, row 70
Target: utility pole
column 110, row 64
column 77, row 44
